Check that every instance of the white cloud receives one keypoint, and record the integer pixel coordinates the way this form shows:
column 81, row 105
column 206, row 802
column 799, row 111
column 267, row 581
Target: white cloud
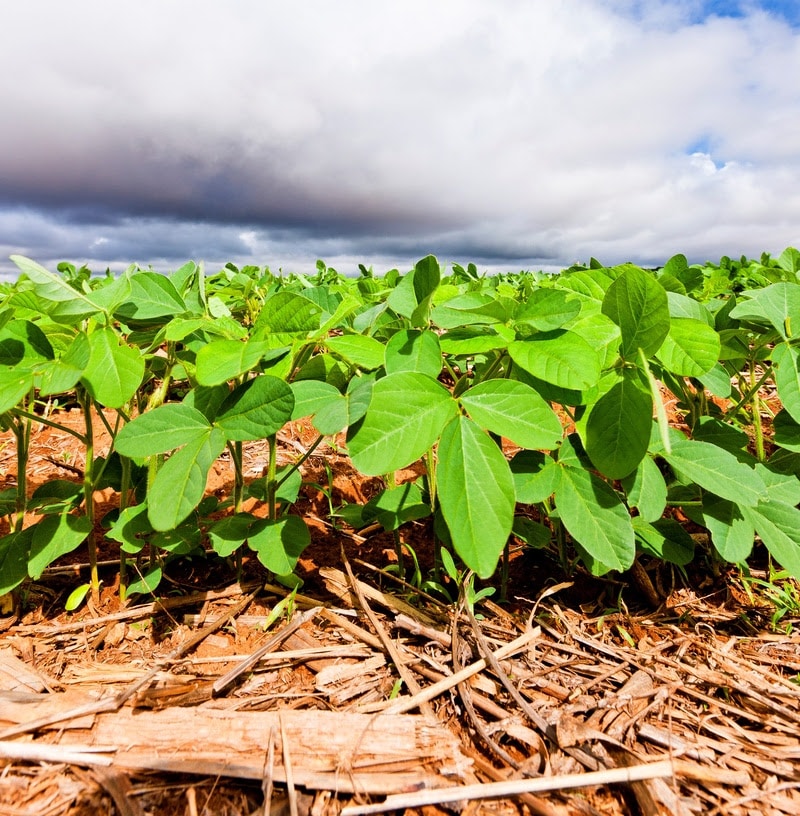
column 512, row 130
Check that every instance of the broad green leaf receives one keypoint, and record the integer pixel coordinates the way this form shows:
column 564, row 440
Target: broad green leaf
column 286, row 317
column 716, row 471
column 721, row 434
column 114, row 371
column 53, row 537
column 181, row 481
column 396, row 505
column 471, row 309
column 778, row 526
column 548, row 309
column 786, row 431
column 147, row 583
column 222, row 360
column 618, row 428
column 402, row 299
column 14, row 549
column 647, row 490
column 515, row 411
column 405, row 417
column 779, row 304
column 665, row 539
column 602, row 334
column 229, row 533
column 23, row 342
column 257, row 409
column 731, row 533
column 472, row 340
column 15, row 383
column 62, row 301
column 60, row 375
column 427, row 275
column 476, row 494
column 787, row 377
column 153, row 300
column 535, row 476
column 163, row 429
column 278, row 544
column 327, row 406
column 717, row 381
column 131, row 528
column 414, row 350
column 691, row 349
column 560, row 357
column 595, row 517
column 789, row 260
column 637, row 303
column 357, row 349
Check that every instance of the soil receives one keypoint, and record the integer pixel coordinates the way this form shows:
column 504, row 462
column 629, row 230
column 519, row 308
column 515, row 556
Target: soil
column 719, row 665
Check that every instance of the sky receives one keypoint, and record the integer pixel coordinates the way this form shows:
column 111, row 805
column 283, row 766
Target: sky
column 515, row 134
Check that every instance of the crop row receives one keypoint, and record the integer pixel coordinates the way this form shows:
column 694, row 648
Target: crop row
column 570, row 372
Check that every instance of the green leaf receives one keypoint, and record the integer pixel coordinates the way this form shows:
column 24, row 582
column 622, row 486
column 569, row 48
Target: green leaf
column 427, row 275
column 476, row 494
column 405, row 417
column 153, row 300
column 63, row 302
column 278, row 544
column 515, row 411
column 257, row 409
column 535, row 476
column 114, row 371
column 560, row 357
column 222, row 360
column 778, row 304
column 665, row 539
column 181, row 481
column 229, row 533
column 594, row 516
column 14, row 549
column 23, row 342
column 691, row 349
column 647, row 490
column 358, row 349
column 60, row 375
column 548, row 309
column 731, row 533
column 53, row 537
column 716, row 471
column 395, row 506
column 618, row 428
column 778, row 526
column 287, row 317
column 15, row 383
column 786, row 431
column 163, row 429
column 414, row 350
column 787, row 378
column 147, row 584
column 472, row 340
column 637, row 303
column 131, row 528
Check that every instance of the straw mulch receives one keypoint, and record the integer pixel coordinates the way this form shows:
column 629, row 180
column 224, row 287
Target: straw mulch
column 364, row 703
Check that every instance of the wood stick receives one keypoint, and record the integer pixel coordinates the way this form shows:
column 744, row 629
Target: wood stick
column 514, row 787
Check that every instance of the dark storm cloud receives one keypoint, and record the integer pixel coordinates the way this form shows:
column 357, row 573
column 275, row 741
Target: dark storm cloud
column 511, row 134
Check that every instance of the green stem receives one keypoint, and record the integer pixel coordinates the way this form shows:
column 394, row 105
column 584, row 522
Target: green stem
column 22, row 434
column 88, row 490
column 755, row 407
column 44, row 421
column 124, row 499
column 272, row 487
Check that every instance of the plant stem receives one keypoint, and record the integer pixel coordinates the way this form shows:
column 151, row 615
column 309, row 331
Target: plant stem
column 88, row 490
column 755, row 407
column 22, row 434
column 272, row 487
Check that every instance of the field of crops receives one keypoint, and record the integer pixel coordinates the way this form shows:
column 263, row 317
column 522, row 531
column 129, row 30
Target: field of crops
column 535, row 402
